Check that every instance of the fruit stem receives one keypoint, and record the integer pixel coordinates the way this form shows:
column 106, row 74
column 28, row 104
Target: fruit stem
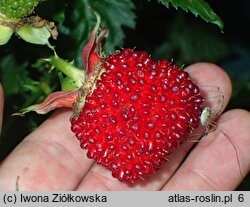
column 76, row 74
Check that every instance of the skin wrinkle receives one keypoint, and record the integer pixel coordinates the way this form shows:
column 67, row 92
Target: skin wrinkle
column 56, row 143
column 100, row 179
column 204, row 177
column 184, row 149
column 181, row 150
column 84, row 175
column 103, row 180
column 43, row 144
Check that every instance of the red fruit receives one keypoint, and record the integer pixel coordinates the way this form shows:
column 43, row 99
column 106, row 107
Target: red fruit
column 129, row 111
column 139, row 113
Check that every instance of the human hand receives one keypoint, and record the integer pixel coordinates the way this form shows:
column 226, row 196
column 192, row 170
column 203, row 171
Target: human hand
column 50, row 158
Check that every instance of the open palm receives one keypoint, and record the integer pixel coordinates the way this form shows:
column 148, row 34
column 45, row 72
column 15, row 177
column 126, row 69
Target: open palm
column 50, row 158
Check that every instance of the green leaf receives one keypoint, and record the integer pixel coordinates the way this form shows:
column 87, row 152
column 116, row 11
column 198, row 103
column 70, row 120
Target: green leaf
column 197, row 7
column 115, row 15
column 190, row 43
column 18, row 84
column 13, row 75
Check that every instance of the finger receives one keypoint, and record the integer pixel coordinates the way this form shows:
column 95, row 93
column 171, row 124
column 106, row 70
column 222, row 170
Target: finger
column 99, row 178
column 213, row 86
column 213, row 164
column 1, row 107
column 48, row 159
column 216, row 88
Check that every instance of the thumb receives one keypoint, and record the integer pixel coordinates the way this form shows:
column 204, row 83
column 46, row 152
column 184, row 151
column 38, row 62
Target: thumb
column 1, row 107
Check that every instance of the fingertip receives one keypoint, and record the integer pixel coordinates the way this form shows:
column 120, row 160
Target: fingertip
column 211, row 75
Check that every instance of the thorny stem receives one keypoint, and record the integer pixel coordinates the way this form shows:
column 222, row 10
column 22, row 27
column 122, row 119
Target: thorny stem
column 76, row 74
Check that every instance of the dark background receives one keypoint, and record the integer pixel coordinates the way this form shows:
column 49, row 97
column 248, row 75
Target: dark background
column 164, row 33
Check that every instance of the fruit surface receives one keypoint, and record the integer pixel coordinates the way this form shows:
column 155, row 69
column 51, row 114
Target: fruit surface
column 138, row 114
column 17, row 8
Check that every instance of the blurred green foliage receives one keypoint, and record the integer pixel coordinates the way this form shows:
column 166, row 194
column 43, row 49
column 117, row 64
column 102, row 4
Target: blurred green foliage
column 146, row 25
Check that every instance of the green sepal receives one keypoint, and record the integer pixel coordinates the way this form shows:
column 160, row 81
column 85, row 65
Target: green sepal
column 5, row 34
column 39, row 36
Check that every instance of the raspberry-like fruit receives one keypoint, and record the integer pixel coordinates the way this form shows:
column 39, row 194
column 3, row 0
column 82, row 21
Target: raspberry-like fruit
column 129, row 111
column 17, row 8
column 138, row 114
